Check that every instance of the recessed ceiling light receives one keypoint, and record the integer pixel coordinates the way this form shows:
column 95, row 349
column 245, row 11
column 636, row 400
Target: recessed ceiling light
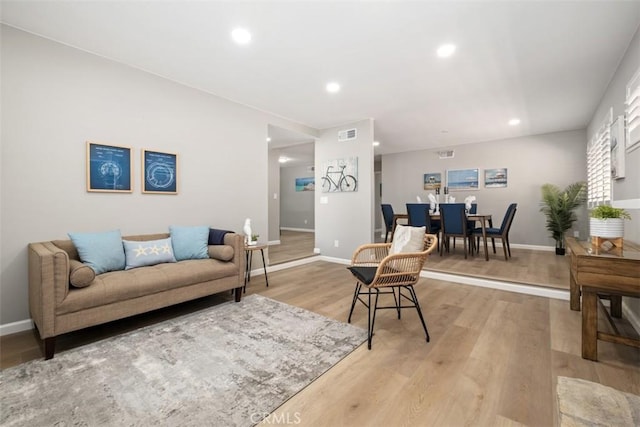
column 514, row 122
column 446, row 50
column 268, row 139
column 333, row 87
column 376, row 143
column 241, row 36
column 283, row 159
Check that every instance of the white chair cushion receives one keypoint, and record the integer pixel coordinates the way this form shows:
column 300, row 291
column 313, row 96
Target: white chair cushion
column 407, row 239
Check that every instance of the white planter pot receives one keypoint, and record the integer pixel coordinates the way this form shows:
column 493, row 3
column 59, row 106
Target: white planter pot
column 609, row 228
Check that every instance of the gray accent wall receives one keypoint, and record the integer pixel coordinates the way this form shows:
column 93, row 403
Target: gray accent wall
column 55, row 98
column 296, row 207
column 557, row 158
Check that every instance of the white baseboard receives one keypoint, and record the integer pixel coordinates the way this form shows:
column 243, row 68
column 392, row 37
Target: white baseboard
column 273, row 242
column 304, row 230
column 12, row 328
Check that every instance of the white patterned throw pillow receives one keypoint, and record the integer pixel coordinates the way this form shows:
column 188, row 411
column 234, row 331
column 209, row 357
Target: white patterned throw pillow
column 407, row 239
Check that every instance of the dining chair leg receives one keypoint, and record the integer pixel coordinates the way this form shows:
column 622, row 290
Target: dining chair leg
column 504, row 248
column 493, row 243
column 397, row 300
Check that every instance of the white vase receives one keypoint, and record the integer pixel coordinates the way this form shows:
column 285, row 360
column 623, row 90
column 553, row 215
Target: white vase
column 609, row 228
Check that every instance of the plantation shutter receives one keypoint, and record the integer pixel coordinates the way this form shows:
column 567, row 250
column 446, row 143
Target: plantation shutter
column 632, row 110
column 599, row 164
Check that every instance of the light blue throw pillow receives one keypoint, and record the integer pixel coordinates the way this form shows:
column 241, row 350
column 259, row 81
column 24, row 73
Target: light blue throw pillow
column 189, row 242
column 101, row 251
column 150, row 252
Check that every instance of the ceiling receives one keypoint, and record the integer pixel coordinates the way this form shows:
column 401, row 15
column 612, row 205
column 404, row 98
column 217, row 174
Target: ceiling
column 547, row 63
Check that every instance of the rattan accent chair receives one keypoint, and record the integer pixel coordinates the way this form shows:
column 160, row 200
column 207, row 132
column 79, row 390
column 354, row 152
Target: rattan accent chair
column 377, row 272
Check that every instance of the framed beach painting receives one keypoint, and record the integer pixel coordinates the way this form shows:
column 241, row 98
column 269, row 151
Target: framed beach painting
column 159, row 172
column 306, row 184
column 432, row 181
column 108, row 168
column 462, row 179
column 495, row 178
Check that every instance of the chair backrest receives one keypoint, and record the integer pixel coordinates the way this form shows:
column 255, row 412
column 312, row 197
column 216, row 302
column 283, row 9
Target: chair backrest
column 387, row 214
column 454, row 219
column 474, row 208
column 508, row 218
column 417, row 214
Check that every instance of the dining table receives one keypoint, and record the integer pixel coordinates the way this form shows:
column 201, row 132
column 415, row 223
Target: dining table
column 484, row 219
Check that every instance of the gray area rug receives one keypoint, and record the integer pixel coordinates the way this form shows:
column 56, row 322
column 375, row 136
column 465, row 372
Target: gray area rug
column 585, row 403
column 228, row 365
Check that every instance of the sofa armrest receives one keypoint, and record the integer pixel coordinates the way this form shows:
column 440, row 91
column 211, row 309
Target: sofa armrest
column 48, row 284
column 237, row 242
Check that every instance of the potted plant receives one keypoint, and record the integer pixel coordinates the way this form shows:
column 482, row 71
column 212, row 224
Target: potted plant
column 254, row 239
column 559, row 205
column 607, row 222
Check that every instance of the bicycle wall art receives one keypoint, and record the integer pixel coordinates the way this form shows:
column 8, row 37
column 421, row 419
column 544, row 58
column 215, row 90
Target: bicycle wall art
column 340, row 175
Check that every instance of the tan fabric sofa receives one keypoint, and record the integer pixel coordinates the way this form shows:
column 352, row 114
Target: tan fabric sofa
column 57, row 307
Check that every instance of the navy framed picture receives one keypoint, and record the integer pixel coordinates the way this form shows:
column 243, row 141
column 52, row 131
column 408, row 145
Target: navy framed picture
column 159, row 172
column 108, row 168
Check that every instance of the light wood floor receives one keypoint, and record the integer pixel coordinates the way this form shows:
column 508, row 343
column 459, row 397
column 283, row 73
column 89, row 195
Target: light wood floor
column 293, row 245
column 493, row 359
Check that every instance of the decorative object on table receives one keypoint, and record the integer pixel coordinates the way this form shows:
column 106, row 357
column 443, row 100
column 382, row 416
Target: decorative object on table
column 341, row 175
column 434, row 204
column 419, row 199
column 495, row 178
column 238, row 360
column 108, row 168
column 306, row 184
column 462, row 179
column 607, row 224
column 559, row 205
column 432, row 181
column 468, row 201
column 159, row 172
column 254, row 238
column 248, row 233
column 446, row 194
column 617, row 148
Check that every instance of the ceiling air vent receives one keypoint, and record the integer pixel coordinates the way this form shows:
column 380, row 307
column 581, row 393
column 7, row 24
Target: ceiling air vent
column 347, row 135
column 445, row 154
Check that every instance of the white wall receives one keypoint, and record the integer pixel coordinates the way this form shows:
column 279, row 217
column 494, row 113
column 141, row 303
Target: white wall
column 55, row 98
column 346, row 217
column 556, row 158
column 296, row 207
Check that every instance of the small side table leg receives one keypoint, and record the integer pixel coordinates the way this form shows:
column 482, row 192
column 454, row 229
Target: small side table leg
column 264, row 264
column 589, row 324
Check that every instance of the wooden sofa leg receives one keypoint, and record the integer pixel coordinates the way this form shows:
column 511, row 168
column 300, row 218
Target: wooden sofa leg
column 238, row 294
column 49, row 347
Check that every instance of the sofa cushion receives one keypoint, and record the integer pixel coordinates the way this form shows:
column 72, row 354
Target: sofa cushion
column 149, row 252
column 101, row 251
column 80, row 275
column 189, row 242
column 221, row 252
column 216, row 237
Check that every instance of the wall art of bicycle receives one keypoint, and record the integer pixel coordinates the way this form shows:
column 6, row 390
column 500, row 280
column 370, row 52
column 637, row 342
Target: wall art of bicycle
column 340, row 176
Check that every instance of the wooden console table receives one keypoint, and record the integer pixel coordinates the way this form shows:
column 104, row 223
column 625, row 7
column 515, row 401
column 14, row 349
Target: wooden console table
column 597, row 271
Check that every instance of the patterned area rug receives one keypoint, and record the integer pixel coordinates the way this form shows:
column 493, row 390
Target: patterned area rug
column 228, row 365
column 585, row 403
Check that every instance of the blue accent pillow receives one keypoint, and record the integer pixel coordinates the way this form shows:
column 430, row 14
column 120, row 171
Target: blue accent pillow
column 149, row 252
column 216, row 237
column 101, row 251
column 189, row 242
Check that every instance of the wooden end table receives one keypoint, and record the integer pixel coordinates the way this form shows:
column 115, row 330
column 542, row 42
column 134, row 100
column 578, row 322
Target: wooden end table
column 248, row 251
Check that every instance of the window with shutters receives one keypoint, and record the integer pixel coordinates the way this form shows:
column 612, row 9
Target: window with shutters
column 599, row 164
column 632, row 111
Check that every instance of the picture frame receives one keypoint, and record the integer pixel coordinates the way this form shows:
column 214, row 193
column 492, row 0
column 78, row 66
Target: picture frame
column 306, row 184
column 159, row 172
column 432, row 181
column 109, row 168
column 495, row 178
column 618, row 149
column 462, row 179
column 340, row 175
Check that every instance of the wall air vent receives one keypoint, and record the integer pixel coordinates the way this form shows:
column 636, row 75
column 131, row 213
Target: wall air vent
column 445, row 154
column 347, row 135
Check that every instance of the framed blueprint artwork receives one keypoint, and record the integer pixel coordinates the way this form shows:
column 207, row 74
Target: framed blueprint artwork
column 159, row 172
column 108, row 168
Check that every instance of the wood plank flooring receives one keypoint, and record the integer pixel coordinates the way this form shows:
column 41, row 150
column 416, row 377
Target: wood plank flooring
column 493, row 359
column 293, row 245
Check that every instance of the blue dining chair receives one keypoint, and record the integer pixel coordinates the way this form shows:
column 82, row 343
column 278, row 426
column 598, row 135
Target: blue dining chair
column 502, row 232
column 387, row 214
column 454, row 222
